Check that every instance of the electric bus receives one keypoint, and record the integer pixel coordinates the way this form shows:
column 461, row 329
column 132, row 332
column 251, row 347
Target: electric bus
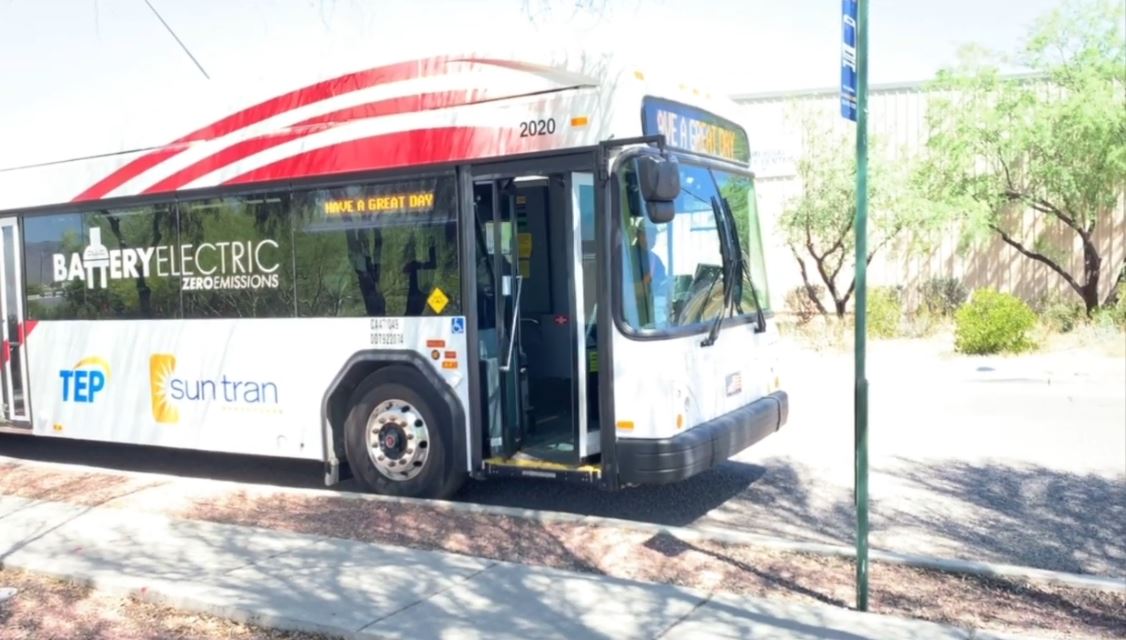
column 416, row 272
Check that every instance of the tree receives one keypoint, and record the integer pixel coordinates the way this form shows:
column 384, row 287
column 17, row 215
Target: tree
column 818, row 223
column 1053, row 143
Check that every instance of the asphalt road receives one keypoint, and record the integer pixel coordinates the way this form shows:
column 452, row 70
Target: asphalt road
column 1017, row 460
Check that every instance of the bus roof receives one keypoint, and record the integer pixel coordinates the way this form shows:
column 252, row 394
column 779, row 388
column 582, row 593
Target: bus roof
column 439, row 109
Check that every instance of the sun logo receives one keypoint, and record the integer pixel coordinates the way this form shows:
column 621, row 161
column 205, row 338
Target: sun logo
column 161, row 368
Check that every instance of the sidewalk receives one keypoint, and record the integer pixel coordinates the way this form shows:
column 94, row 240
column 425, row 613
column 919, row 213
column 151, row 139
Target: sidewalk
column 365, row 590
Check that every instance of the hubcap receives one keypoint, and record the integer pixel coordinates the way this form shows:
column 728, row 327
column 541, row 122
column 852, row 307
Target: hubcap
column 398, row 440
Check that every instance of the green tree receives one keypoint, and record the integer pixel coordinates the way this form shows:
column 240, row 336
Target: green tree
column 1053, row 143
column 818, row 223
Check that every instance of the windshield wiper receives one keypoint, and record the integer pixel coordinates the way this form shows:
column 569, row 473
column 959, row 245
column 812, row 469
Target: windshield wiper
column 728, row 267
column 742, row 275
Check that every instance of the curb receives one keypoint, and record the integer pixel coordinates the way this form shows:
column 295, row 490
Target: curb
column 700, row 534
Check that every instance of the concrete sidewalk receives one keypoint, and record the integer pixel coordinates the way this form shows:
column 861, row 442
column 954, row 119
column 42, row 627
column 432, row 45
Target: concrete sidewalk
column 356, row 589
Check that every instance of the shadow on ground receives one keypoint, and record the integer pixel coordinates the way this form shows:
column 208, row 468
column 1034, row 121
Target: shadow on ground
column 677, row 504
column 1027, row 515
column 1024, row 515
column 181, row 462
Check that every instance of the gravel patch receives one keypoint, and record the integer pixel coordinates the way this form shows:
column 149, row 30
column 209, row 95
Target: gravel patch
column 47, row 608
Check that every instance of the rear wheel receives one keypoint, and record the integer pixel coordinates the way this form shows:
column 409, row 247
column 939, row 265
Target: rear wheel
column 397, row 440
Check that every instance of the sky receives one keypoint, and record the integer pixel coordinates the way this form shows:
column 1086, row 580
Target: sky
column 743, row 45
column 65, row 52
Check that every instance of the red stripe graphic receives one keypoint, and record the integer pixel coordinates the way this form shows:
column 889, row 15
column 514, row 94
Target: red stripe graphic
column 267, row 109
column 395, row 106
column 26, row 328
column 128, row 172
column 395, row 150
column 247, row 148
column 233, row 153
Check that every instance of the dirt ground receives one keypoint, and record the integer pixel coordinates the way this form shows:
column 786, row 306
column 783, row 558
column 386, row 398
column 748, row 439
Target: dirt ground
column 994, row 604
column 46, row 609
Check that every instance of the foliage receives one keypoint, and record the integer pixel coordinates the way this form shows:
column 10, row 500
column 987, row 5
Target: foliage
column 885, row 311
column 993, row 322
column 818, row 224
column 799, row 301
column 1060, row 316
column 1116, row 315
column 1053, row 144
column 942, row 296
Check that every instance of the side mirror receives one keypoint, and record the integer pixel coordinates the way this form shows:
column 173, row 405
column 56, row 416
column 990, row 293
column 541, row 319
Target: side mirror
column 659, row 182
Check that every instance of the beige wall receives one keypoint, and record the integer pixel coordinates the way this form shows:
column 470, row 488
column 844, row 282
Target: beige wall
column 897, row 117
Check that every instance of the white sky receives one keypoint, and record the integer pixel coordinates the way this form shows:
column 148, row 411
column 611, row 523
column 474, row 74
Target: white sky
column 75, row 56
column 742, row 45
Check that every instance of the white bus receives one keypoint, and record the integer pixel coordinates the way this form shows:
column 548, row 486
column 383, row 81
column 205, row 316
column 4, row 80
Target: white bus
column 415, row 272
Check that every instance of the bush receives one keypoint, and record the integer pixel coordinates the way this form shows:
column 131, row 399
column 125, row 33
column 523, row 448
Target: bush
column 993, row 322
column 1117, row 313
column 941, row 297
column 884, row 312
column 1061, row 316
column 798, row 302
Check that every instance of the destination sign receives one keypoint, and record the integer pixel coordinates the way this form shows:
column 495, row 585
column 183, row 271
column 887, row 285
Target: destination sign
column 384, row 203
column 388, row 203
column 694, row 130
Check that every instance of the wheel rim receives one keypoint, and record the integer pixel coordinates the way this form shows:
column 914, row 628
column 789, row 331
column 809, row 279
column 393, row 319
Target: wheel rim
column 398, row 440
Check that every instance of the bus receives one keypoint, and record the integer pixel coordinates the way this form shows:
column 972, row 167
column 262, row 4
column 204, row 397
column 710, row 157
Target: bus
column 415, row 272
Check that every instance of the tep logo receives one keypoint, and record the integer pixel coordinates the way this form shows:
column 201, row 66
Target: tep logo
column 85, row 380
column 161, row 368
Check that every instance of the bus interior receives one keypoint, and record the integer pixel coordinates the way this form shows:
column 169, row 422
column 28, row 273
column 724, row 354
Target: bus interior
column 536, row 278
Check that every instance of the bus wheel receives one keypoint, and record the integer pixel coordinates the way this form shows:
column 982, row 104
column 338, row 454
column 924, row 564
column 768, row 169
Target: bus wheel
column 395, row 442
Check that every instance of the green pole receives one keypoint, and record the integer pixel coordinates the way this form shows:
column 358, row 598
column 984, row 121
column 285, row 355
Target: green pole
column 861, row 398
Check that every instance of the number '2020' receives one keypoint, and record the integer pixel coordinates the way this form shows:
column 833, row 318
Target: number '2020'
column 537, row 128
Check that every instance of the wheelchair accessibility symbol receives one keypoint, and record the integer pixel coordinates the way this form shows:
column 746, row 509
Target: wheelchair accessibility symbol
column 457, row 325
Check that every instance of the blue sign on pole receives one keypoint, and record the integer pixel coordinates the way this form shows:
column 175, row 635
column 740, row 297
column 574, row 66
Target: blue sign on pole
column 848, row 59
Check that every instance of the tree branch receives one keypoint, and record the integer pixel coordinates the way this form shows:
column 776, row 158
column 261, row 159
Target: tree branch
column 1043, row 206
column 1039, row 257
column 809, row 290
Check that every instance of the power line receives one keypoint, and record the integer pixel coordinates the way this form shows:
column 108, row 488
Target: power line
column 177, row 38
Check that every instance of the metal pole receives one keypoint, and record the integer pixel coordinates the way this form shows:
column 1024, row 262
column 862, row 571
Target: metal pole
column 861, row 399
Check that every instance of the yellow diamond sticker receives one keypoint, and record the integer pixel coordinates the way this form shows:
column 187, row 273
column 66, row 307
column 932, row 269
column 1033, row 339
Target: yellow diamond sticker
column 437, row 300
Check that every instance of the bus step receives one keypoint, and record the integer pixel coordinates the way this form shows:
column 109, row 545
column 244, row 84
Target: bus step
column 528, row 467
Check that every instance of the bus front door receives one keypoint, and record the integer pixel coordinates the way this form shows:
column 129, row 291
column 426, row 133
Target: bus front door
column 14, row 329
column 536, row 315
column 498, row 306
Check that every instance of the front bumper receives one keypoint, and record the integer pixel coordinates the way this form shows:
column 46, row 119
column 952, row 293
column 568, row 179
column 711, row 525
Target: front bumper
column 702, row 447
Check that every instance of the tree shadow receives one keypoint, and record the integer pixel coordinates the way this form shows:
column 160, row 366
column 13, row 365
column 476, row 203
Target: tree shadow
column 1026, row 515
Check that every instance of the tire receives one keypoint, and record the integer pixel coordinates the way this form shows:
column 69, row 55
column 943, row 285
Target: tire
column 411, row 453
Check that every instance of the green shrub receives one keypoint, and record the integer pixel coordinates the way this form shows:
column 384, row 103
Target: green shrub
column 798, row 302
column 993, row 322
column 941, row 297
column 1118, row 311
column 1062, row 316
column 885, row 310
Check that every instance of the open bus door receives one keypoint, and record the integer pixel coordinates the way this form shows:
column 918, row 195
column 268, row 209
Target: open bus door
column 14, row 330
column 536, row 292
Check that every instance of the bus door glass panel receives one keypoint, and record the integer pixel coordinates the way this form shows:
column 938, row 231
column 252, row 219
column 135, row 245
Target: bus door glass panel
column 586, row 310
column 497, row 288
column 509, row 288
column 11, row 306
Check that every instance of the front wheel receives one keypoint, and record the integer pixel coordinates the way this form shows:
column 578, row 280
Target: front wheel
column 396, row 440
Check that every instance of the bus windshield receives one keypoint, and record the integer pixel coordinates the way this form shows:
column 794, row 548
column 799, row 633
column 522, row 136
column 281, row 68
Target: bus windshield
column 673, row 275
